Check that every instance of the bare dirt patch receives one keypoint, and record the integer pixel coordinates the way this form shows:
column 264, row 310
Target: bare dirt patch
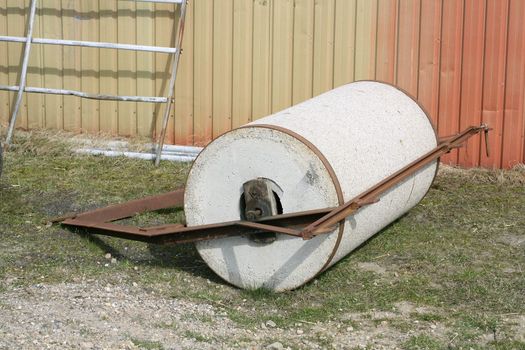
column 513, row 240
column 372, row 267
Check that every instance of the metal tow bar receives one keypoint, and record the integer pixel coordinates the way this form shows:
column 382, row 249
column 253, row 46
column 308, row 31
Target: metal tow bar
column 305, row 224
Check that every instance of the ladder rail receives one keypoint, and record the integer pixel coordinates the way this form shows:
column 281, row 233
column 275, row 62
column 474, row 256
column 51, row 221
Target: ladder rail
column 23, row 73
column 171, row 88
column 81, row 94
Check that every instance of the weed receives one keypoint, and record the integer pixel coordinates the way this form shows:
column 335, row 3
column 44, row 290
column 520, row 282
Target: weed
column 427, row 317
column 197, row 336
column 147, row 344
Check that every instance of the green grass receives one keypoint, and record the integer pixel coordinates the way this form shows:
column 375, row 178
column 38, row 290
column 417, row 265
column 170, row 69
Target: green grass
column 453, row 253
column 422, row 342
column 146, row 344
column 197, row 336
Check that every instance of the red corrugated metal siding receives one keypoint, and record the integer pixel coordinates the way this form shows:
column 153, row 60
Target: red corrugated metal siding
column 386, row 40
column 514, row 117
column 494, row 76
column 472, row 71
column 450, row 77
column 465, row 62
column 430, row 57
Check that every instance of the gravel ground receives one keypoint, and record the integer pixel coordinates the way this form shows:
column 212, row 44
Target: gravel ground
column 93, row 315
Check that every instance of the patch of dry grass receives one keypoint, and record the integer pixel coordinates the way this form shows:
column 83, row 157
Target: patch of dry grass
column 513, row 177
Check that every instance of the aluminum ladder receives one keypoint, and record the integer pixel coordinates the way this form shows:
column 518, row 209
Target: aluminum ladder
column 29, row 39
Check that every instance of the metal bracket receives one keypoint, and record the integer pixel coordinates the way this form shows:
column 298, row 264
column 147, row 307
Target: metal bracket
column 259, row 199
column 260, row 202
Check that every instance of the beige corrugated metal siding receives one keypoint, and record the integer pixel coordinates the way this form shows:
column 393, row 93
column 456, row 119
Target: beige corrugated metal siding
column 243, row 59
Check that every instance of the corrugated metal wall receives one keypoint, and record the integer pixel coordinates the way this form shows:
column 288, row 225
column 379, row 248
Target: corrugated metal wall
column 243, row 59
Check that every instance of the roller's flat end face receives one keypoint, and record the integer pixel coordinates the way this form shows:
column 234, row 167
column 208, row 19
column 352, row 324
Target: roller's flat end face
column 213, row 194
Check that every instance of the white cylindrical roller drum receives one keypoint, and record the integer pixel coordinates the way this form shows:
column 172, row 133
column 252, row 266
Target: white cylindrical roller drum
column 317, row 154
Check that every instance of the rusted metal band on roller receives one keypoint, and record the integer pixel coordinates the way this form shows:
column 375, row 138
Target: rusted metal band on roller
column 331, row 172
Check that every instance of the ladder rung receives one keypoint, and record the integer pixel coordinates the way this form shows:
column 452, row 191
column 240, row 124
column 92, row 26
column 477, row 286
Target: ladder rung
column 151, row 99
column 96, row 44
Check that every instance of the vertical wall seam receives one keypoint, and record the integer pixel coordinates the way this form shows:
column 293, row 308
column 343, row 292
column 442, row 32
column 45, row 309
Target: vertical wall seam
column 117, row 105
column 436, row 61
column 81, row 104
column 521, row 137
column 313, row 48
column 522, row 103
column 396, row 45
column 374, row 71
column 212, row 78
column 480, row 117
column 97, row 84
column 192, row 137
column 154, row 116
column 376, row 44
column 232, row 58
column 39, row 14
column 41, row 108
column 438, row 97
column 355, row 40
column 418, row 48
column 333, row 43
column 63, row 121
column 252, row 69
column 482, row 82
column 8, row 68
column 252, row 65
column 292, row 53
column 505, row 69
column 461, row 62
column 136, row 54
column 272, row 57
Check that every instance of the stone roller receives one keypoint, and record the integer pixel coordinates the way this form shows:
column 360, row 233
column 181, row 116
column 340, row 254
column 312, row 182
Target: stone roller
column 276, row 202
column 317, row 154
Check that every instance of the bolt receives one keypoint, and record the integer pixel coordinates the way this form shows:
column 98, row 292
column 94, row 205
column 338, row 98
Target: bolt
column 253, row 214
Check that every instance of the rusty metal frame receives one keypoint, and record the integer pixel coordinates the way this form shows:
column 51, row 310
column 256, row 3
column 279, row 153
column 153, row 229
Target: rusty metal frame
column 305, row 224
column 101, row 221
